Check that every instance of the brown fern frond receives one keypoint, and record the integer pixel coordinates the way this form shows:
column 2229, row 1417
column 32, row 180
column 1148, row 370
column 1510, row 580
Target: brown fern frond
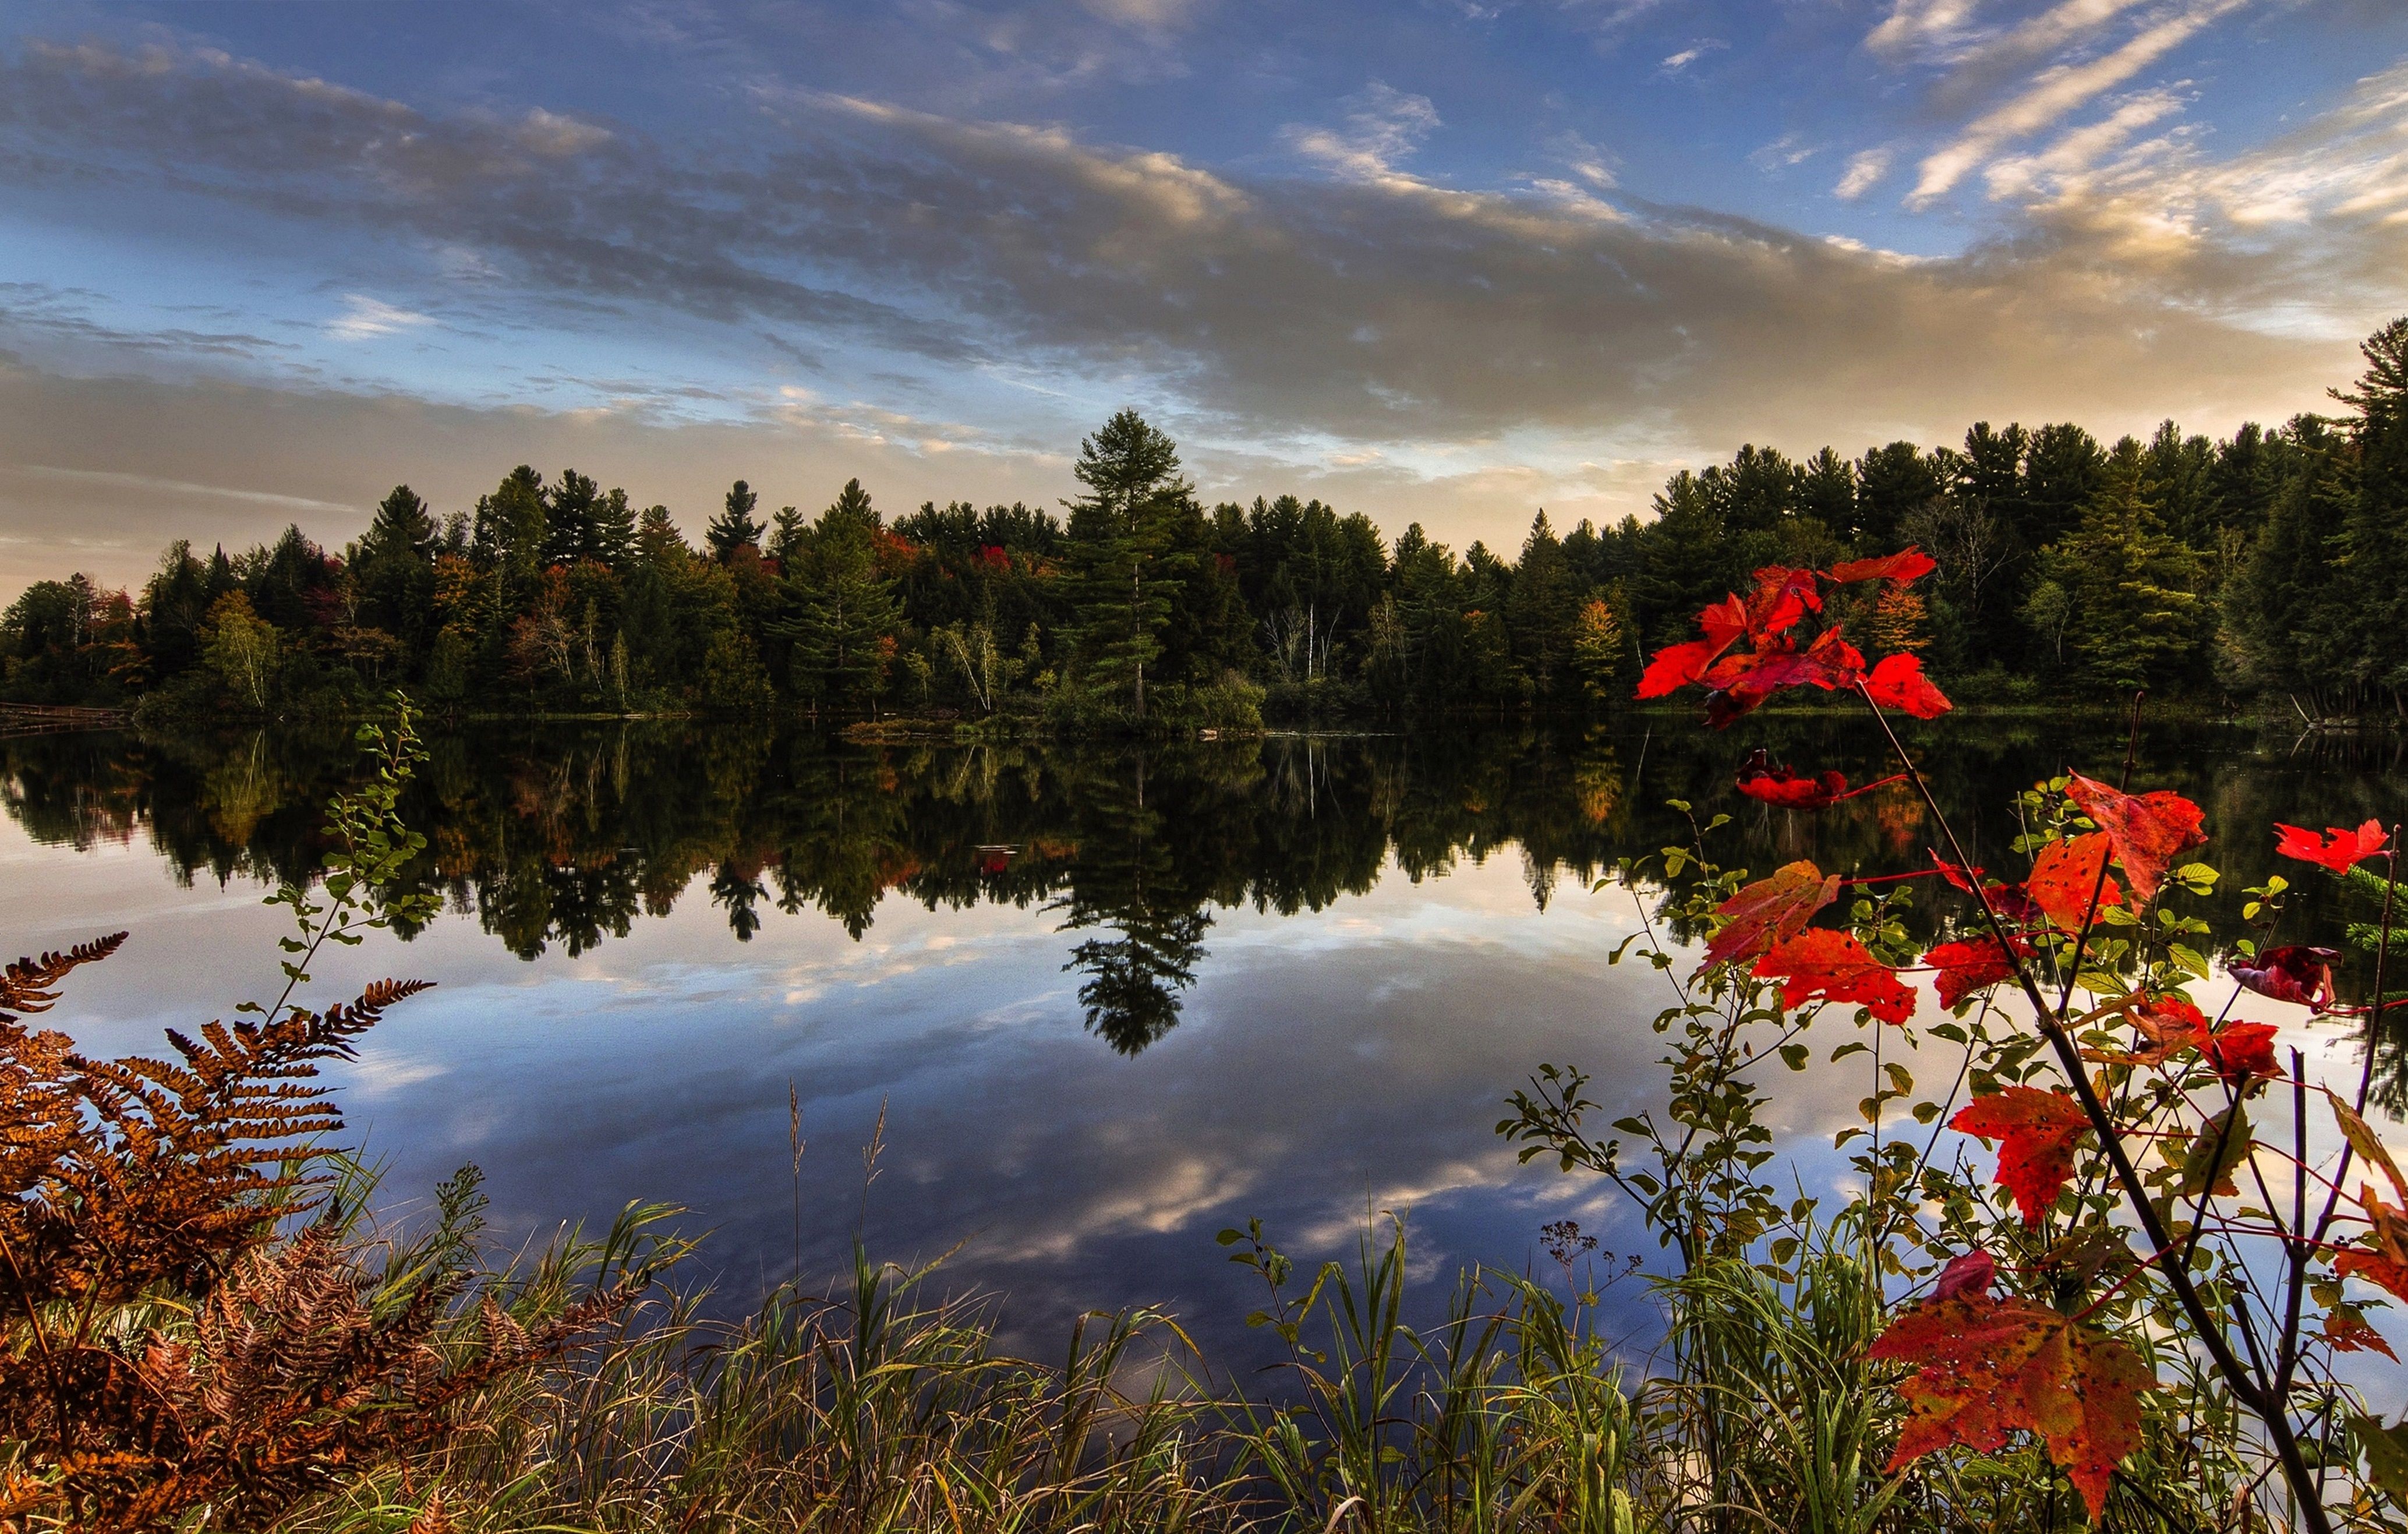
column 28, row 985
column 432, row 1518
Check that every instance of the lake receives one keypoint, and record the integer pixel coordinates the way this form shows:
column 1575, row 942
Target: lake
column 1104, row 1000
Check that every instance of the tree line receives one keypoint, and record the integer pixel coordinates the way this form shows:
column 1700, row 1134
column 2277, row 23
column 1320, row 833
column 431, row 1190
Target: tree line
column 2264, row 565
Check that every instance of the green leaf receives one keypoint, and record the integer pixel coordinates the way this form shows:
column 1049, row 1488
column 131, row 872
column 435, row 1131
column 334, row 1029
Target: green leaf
column 2386, row 1453
column 1794, row 1056
column 2206, row 1166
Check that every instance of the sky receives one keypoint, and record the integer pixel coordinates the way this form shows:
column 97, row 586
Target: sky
column 1440, row 260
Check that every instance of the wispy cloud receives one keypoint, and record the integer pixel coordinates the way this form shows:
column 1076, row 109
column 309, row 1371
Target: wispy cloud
column 1382, row 126
column 1921, row 27
column 365, row 319
column 2059, row 91
column 1866, row 169
column 1691, row 54
column 1788, row 150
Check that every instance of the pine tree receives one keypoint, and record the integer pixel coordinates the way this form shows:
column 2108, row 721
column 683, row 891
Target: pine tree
column 392, row 570
column 572, row 519
column 2134, row 615
column 510, row 526
column 733, row 527
column 1122, row 550
column 2373, row 548
column 401, row 526
column 1542, row 607
column 841, row 613
column 659, row 545
column 613, row 540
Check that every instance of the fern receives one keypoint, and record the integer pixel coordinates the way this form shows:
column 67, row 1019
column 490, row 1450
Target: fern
column 187, row 1324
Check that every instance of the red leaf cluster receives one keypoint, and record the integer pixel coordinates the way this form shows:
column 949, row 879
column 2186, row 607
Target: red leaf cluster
column 1986, row 1369
column 1739, row 681
column 1973, row 964
column 1835, row 967
column 2009, row 900
column 2148, row 831
column 2338, row 850
column 1775, row 907
column 2295, row 972
column 1786, row 788
column 2240, row 1053
column 2036, row 1131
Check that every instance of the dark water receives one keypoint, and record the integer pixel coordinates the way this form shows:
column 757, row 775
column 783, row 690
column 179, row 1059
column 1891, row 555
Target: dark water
column 1108, row 1000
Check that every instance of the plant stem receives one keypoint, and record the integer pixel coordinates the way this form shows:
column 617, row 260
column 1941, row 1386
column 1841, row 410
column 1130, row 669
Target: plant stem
column 2268, row 1410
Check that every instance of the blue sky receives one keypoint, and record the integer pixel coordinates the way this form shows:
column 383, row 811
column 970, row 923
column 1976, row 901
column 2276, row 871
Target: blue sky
column 1440, row 259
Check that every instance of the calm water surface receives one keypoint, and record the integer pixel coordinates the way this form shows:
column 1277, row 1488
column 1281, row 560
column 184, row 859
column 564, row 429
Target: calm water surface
column 1106, row 1000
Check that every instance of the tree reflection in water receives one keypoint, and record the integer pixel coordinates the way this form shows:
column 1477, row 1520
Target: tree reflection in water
column 560, row 837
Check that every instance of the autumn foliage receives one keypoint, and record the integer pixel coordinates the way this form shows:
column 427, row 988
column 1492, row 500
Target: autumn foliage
column 189, row 1322
column 2118, row 1186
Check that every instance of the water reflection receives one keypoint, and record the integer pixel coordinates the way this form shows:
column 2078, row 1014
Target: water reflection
column 1301, row 972
column 562, row 838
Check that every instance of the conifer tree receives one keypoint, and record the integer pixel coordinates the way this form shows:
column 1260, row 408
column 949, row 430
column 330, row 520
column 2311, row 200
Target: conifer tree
column 1121, row 554
column 613, row 540
column 2373, row 548
column 841, row 613
column 733, row 527
column 572, row 527
column 2134, row 609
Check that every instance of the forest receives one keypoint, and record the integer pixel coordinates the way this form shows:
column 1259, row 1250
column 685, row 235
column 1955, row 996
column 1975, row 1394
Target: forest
column 2258, row 569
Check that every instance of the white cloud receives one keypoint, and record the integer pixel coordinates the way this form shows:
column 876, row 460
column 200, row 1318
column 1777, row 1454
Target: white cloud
column 1866, row 167
column 364, row 317
column 1692, row 53
column 1781, row 152
column 2059, row 91
column 1921, row 26
column 2068, row 162
column 1383, row 127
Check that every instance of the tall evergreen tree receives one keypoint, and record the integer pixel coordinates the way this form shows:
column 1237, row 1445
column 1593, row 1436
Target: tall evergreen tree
column 841, row 614
column 1123, row 552
column 613, row 540
column 2134, row 615
column 733, row 527
column 2373, row 548
column 572, row 520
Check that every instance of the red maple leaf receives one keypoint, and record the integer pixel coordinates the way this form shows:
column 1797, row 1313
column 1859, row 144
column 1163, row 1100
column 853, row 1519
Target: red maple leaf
column 1835, row 967
column 2241, row 1052
column 2385, row 1264
column 2065, row 876
column 1775, row 907
column 2036, row 1131
column 2148, row 831
column 1786, row 787
column 1677, row 666
column 2294, row 973
column 1780, row 598
column 1971, row 964
column 1986, row 1369
column 1741, row 682
column 1897, row 682
column 2345, row 1331
column 1970, row 1273
column 2338, row 850
column 1907, row 565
